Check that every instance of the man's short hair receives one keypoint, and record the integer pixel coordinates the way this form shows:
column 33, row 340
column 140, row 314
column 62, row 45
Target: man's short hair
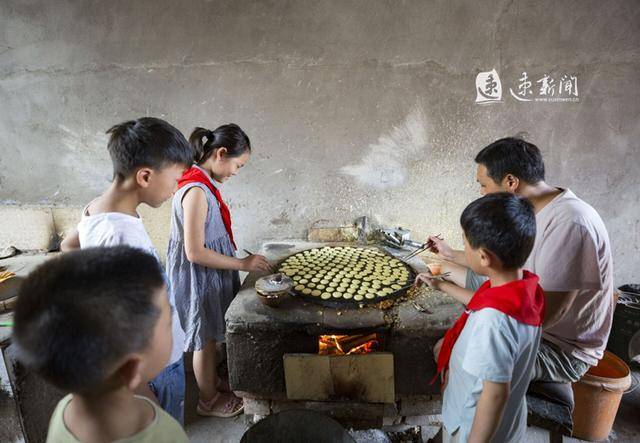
column 512, row 156
column 149, row 142
column 503, row 224
column 78, row 314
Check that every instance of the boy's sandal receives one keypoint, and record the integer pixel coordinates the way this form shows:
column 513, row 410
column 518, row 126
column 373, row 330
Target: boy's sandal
column 230, row 406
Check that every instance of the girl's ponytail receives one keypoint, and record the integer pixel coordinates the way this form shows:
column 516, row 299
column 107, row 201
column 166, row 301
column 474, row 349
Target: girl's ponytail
column 231, row 136
column 197, row 143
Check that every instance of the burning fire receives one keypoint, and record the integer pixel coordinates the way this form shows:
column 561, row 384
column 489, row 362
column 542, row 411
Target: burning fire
column 347, row 344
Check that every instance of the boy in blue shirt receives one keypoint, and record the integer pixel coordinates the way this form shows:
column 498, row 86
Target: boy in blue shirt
column 491, row 350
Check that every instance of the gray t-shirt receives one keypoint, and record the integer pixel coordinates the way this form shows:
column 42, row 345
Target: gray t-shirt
column 497, row 348
column 572, row 252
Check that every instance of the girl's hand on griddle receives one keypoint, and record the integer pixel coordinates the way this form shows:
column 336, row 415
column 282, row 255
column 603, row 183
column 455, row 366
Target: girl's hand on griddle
column 440, row 247
column 255, row 263
column 427, row 278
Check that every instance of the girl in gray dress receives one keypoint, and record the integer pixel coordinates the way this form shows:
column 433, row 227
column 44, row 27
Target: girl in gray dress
column 201, row 262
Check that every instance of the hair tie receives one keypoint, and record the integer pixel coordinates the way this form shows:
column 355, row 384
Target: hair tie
column 210, row 135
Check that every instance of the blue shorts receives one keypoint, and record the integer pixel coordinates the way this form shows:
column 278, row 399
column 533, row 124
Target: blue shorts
column 168, row 387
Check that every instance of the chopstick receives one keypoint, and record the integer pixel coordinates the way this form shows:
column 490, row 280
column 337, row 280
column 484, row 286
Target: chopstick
column 415, row 252
column 420, row 249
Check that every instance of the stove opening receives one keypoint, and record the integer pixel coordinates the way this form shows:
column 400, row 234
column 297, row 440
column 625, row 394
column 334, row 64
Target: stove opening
column 350, row 344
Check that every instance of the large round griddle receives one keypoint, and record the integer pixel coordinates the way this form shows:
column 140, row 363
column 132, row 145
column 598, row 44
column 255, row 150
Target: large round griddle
column 349, row 270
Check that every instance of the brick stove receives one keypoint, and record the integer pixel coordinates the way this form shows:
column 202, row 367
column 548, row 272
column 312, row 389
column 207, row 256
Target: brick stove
column 278, row 358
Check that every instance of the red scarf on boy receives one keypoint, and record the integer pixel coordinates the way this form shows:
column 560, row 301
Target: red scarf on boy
column 195, row 175
column 520, row 299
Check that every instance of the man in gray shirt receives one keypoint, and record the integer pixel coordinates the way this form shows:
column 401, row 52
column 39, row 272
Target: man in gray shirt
column 571, row 255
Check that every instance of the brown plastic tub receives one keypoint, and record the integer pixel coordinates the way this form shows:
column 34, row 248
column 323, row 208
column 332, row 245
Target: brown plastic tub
column 597, row 397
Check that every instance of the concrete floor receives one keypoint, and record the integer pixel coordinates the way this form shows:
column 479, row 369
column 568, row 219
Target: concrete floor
column 626, row 428
column 210, row 429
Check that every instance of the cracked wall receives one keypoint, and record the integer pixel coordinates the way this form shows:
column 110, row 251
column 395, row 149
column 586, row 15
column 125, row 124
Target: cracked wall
column 353, row 108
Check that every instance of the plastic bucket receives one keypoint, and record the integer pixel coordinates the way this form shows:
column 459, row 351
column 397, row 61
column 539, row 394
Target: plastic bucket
column 597, row 397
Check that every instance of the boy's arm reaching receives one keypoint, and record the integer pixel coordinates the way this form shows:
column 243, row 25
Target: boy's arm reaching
column 461, row 294
column 489, row 411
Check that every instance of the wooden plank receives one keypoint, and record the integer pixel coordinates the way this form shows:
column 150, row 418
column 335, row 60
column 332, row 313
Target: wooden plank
column 366, row 377
column 308, row 377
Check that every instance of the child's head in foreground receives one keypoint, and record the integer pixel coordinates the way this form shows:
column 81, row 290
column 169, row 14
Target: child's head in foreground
column 95, row 320
column 499, row 231
column 150, row 153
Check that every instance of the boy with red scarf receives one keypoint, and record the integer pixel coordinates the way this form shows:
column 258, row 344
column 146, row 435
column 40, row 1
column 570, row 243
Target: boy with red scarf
column 487, row 357
column 201, row 261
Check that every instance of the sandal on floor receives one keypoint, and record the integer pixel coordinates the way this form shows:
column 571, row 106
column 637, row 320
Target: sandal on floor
column 223, row 405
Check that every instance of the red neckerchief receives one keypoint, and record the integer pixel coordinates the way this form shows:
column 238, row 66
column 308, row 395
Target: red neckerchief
column 195, row 175
column 520, row 299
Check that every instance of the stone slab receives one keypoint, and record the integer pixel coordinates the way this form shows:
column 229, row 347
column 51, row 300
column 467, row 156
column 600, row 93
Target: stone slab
column 423, row 420
column 420, row 405
column 27, row 228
